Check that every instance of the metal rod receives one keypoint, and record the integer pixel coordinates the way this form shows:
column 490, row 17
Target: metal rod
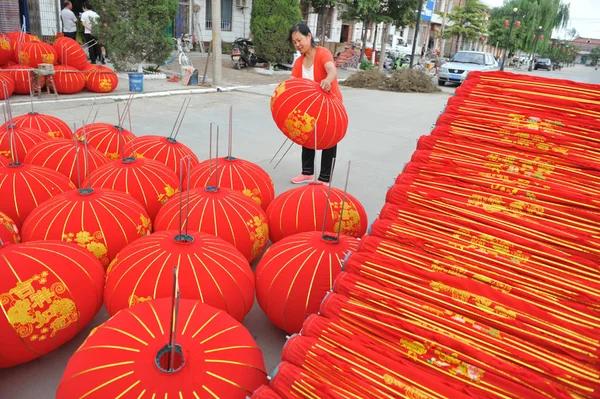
column 174, row 316
column 118, row 115
column 181, row 195
column 210, row 137
column 230, row 131
column 327, row 202
column 30, row 93
column 284, row 154
column 182, row 117
column 129, row 118
column 90, row 113
column 339, row 232
column 87, row 154
column 282, row 144
column 177, row 120
column 187, row 209
column 77, row 158
column 217, row 160
column 315, row 158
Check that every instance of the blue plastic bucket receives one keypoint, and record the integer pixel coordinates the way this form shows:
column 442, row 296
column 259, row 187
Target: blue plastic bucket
column 136, row 82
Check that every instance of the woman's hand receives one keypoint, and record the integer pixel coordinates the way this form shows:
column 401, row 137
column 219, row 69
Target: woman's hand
column 325, row 85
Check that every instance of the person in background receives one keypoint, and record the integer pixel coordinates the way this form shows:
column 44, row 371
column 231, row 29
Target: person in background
column 69, row 20
column 315, row 63
column 88, row 18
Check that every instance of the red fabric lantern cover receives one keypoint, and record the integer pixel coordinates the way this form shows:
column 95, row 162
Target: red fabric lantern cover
column 50, row 290
column 5, row 49
column 148, row 181
column 291, row 381
column 108, row 139
column 70, row 53
column 4, row 161
column 103, row 221
column 237, row 174
column 9, row 232
column 22, row 78
column 163, row 149
column 60, row 155
column 35, row 53
column 67, row 80
column 24, row 140
column 220, row 357
column 24, row 187
column 295, row 273
column 222, row 212
column 210, row 270
column 87, row 69
column 297, row 105
column 6, row 78
column 264, row 392
column 101, row 80
column 302, row 209
column 54, row 127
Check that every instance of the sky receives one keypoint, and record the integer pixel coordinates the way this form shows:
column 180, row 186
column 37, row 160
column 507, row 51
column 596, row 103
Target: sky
column 585, row 16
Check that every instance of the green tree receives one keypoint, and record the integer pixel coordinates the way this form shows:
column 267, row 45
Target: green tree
column 595, row 55
column 365, row 11
column 468, row 22
column 133, row 30
column 323, row 9
column 270, row 22
column 549, row 14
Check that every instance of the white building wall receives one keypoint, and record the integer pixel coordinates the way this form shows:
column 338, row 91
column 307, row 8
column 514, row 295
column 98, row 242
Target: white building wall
column 240, row 23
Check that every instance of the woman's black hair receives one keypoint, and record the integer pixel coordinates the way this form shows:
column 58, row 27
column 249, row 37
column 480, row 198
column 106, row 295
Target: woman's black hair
column 304, row 30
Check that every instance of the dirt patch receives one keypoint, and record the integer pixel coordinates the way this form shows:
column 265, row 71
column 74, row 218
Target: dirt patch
column 403, row 80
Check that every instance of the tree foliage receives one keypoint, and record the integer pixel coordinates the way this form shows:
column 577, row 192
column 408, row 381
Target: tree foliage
column 270, row 22
column 595, row 55
column 468, row 22
column 135, row 30
column 549, row 14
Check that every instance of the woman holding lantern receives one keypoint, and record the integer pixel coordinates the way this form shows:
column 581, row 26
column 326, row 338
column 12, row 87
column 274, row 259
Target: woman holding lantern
column 315, row 63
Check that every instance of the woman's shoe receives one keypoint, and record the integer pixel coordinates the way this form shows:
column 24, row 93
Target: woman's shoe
column 301, row 179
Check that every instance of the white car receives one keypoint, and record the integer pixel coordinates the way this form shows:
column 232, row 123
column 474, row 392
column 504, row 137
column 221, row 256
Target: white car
column 458, row 67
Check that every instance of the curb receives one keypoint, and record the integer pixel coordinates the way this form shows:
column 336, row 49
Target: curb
column 138, row 95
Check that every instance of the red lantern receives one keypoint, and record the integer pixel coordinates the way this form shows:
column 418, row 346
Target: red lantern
column 223, row 212
column 216, row 357
column 18, row 40
column 54, row 291
column 518, row 24
column 163, row 149
column 295, row 273
column 19, row 139
column 23, row 78
column 298, row 105
column 103, row 221
column 210, row 270
column 69, row 52
column 54, row 127
column 9, row 231
column 506, row 23
column 101, row 80
column 5, row 49
column 6, row 80
column 35, row 53
column 106, row 138
column 24, row 187
column 303, row 208
column 237, row 174
column 87, row 69
column 67, row 80
column 60, row 155
column 148, row 181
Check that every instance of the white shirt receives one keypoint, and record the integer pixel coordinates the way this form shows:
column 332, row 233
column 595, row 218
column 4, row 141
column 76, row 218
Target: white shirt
column 308, row 73
column 87, row 19
column 69, row 20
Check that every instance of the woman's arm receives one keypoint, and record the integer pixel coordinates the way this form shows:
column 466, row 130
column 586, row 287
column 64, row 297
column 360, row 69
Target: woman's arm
column 331, row 75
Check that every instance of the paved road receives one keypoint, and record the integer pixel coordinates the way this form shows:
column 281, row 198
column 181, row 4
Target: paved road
column 382, row 135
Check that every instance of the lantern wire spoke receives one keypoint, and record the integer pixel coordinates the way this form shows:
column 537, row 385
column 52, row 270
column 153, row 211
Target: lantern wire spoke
column 87, row 154
column 327, row 199
column 178, row 121
column 77, row 158
column 339, row 232
column 282, row 144
column 91, row 109
column 284, row 154
column 315, row 158
column 230, row 145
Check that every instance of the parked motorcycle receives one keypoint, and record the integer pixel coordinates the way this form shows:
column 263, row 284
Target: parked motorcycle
column 242, row 53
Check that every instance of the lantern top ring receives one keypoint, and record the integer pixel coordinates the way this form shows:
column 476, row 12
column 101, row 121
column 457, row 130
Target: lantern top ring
column 15, row 165
column 85, row 191
column 184, row 238
column 328, row 238
column 230, row 158
column 212, row 189
column 171, row 140
column 129, row 160
column 162, row 358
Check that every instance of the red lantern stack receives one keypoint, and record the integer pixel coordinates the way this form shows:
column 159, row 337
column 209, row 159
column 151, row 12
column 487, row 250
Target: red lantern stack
column 35, row 53
column 70, row 53
column 67, row 80
column 101, row 80
column 20, row 140
column 51, row 125
column 22, row 78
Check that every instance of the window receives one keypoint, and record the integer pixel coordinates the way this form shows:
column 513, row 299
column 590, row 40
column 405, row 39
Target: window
column 226, row 14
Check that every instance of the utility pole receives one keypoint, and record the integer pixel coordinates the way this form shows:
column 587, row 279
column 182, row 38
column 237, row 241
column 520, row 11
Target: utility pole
column 216, row 42
column 444, row 19
column 417, row 26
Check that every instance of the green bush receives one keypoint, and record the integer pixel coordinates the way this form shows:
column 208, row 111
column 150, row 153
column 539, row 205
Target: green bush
column 366, row 65
column 226, row 47
column 134, row 31
column 270, row 23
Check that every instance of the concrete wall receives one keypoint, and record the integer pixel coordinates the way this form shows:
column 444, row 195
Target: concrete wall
column 240, row 23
